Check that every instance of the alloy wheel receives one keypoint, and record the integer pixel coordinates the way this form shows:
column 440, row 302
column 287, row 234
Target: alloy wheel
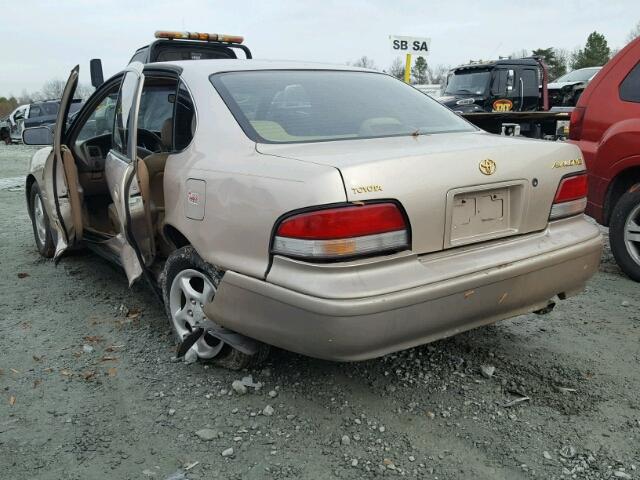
column 38, row 215
column 189, row 292
column 632, row 234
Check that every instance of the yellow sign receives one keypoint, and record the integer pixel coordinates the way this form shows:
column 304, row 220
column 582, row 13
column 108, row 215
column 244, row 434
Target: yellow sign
column 407, row 69
column 487, row 166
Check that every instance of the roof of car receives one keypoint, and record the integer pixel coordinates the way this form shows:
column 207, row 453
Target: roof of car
column 219, row 65
column 493, row 63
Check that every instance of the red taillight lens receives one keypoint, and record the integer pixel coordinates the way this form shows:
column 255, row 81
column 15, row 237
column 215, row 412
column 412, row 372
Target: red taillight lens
column 343, row 222
column 575, row 123
column 571, row 188
column 571, row 197
column 342, row 231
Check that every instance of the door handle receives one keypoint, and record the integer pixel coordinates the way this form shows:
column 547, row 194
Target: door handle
column 521, row 94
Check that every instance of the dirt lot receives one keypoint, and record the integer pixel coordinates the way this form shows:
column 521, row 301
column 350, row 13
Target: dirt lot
column 88, row 389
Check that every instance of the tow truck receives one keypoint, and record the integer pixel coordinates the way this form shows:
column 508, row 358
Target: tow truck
column 508, row 97
column 173, row 45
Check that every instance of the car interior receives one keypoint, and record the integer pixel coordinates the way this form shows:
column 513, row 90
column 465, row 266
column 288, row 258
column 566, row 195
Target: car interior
column 166, row 123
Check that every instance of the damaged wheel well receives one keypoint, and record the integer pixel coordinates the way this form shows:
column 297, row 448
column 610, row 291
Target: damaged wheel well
column 175, row 236
column 620, row 184
column 28, row 184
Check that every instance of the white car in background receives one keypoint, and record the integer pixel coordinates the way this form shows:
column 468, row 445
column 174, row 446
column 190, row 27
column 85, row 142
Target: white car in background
column 566, row 90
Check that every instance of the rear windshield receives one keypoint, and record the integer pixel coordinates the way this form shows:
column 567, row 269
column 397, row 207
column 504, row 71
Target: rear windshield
column 293, row 106
column 581, row 75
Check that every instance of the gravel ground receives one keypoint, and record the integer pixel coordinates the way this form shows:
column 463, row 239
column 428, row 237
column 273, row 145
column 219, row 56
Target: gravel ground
column 88, row 389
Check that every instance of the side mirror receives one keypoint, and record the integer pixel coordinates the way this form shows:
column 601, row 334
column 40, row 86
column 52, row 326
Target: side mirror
column 97, row 77
column 42, row 135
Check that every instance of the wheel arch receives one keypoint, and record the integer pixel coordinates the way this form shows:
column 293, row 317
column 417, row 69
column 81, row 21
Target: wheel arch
column 31, row 179
column 621, row 183
column 175, row 236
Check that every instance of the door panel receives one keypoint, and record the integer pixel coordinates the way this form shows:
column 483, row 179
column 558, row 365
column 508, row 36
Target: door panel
column 61, row 188
column 117, row 174
column 530, row 89
column 132, row 209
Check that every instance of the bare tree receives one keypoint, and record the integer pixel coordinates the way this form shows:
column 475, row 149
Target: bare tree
column 83, row 91
column 365, row 62
column 520, row 53
column 53, row 89
column 439, row 74
column 563, row 56
column 25, row 97
column 635, row 33
column 397, row 68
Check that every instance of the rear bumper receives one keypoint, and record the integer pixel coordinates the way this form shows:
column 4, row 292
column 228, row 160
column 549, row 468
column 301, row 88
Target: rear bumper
column 366, row 310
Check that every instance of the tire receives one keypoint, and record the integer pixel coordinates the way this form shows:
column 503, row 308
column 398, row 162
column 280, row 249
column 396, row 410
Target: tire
column 626, row 251
column 185, row 263
column 40, row 223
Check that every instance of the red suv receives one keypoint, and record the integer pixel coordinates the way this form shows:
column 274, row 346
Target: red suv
column 606, row 126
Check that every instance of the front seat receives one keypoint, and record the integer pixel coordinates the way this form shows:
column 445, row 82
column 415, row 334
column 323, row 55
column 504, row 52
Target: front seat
column 155, row 164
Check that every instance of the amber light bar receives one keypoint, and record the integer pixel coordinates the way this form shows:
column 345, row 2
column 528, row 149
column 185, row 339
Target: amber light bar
column 207, row 37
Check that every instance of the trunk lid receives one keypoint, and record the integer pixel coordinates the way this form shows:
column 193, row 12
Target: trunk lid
column 439, row 181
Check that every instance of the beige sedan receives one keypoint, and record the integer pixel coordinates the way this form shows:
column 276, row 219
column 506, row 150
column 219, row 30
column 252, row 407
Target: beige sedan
column 327, row 210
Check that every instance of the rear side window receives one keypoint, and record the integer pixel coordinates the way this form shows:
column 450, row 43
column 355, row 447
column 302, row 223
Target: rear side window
column 185, row 119
column 630, row 87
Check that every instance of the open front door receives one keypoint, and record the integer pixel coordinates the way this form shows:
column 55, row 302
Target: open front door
column 61, row 190
column 128, row 184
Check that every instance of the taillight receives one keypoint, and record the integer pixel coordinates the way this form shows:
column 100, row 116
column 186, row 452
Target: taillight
column 340, row 232
column 571, row 197
column 575, row 123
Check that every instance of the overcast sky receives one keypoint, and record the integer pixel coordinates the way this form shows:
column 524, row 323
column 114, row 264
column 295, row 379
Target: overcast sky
column 44, row 39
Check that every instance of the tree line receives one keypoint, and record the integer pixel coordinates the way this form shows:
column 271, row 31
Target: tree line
column 51, row 90
column 595, row 52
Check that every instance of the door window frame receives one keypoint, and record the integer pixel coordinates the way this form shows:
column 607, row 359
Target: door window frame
column 129, row 156
column 89, row 108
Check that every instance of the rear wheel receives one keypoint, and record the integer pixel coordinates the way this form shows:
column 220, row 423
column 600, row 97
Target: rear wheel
column 624, row 234
column 40, row 223
column 188, row 282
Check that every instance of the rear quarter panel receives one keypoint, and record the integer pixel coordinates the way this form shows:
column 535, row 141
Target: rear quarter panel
column 246, row 192
column 424, row 172
column 36, row 164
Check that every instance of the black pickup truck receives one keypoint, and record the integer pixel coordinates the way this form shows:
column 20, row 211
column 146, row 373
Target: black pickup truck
column 33, row 114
